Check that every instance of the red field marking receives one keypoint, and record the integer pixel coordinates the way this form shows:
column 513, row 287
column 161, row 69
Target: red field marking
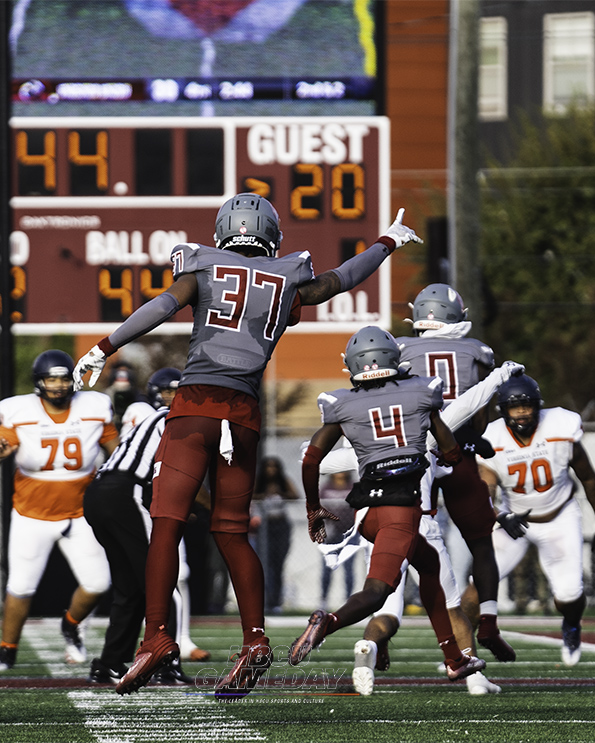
column 78, row 683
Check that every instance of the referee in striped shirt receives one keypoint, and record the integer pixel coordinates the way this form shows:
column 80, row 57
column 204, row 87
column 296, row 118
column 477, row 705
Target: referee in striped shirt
column 116, row 505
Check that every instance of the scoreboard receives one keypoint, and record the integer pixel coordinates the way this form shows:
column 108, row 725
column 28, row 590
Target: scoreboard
column 99, row 202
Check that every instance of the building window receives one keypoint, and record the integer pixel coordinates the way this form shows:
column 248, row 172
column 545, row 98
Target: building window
column 493, row 69
column 568, row 60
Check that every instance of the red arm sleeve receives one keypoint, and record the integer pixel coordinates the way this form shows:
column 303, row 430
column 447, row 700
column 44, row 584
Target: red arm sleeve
column 311, row 475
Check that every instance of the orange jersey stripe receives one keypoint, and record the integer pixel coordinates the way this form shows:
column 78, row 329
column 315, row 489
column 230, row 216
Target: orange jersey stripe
column 110, row 432
column 10, row 435
column 49, row 501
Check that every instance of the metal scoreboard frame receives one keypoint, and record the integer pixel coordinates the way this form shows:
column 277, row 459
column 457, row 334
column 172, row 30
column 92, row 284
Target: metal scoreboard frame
column 99, row 202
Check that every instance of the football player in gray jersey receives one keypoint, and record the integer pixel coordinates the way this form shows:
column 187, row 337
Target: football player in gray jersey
column 386, row 417
column 243, row 298
column 441, row 348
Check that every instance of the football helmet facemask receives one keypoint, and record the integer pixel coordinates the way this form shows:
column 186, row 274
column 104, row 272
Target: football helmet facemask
column 371, row 354
column 248, row 223
column 521, row 390
column 53, row 363
column 437, row 305
column 167, row 378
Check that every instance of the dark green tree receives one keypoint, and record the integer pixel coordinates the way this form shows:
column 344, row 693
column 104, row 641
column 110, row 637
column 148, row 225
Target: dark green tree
column 538, row 254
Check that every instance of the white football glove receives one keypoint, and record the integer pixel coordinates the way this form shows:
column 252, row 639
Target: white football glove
column 401, row 234
column 93, row 361
column 511, row 369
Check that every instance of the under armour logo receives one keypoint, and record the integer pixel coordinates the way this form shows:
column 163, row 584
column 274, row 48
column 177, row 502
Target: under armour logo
column 469, row 447
column 156, row 469
column 376, row 493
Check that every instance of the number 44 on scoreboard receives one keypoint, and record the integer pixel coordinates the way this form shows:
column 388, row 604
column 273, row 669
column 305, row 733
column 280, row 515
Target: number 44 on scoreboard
column 99, row 203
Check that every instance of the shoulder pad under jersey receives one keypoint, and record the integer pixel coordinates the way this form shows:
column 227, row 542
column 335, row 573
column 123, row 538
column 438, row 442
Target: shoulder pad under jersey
column 188, row 257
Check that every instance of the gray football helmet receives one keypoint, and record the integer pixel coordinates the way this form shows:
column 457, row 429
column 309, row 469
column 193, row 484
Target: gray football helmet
column 248, row 221
column 372, row 353
column 437, row 305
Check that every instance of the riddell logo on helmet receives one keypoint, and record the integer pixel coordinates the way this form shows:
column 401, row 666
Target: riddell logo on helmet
column 375, row 374
column 428, row 324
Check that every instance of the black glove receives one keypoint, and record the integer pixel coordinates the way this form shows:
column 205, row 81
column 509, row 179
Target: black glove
column 515, row 523
column 472, row 443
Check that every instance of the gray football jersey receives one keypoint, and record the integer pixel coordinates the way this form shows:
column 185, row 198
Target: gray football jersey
column 243, row 308
column 454, row 360
column 382, row 422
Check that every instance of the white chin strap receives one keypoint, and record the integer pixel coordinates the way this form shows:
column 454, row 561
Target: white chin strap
column 443, row 330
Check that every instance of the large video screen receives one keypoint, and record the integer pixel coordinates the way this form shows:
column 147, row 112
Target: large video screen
column 195, row 57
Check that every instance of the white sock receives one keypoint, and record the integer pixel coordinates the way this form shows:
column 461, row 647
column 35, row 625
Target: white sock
column 488, row 607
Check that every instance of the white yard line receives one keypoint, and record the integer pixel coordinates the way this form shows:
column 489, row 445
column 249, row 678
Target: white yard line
column 523, row 637
column 147, row 716
column 44, row 636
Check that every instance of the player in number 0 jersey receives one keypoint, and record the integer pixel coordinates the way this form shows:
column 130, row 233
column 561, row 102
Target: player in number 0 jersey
column 535, row 451
column 243, row 299
column 441, row 348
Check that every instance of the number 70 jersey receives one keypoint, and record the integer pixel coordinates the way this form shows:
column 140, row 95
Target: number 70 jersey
column 535, row 476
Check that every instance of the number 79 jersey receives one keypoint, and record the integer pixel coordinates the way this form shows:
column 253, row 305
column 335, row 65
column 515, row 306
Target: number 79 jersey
column 535, row 476
column 56, row 457
column 244, row 306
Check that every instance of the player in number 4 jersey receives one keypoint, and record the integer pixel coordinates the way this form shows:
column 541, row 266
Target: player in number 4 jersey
column 535, row 451
column 56, row 435
column 386, row 417
column 243, row 299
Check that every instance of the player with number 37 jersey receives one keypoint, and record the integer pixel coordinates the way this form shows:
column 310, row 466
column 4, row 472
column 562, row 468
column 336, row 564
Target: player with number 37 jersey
column 236, row 294
column 243, row 298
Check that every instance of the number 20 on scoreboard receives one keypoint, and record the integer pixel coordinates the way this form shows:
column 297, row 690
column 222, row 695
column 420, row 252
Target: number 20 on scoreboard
column 98, row 204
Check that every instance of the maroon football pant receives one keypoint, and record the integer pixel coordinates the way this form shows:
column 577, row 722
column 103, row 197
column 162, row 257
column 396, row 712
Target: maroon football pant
column 467, row 500
column 394, row 530
column 189, row 449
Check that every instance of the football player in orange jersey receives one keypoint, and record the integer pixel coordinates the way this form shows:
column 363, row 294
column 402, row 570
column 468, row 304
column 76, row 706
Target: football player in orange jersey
column 56, row 436
column 536, row 449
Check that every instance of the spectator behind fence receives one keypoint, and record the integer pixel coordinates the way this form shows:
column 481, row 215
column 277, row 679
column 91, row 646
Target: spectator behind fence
column 123, row 390
column 271, row 527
